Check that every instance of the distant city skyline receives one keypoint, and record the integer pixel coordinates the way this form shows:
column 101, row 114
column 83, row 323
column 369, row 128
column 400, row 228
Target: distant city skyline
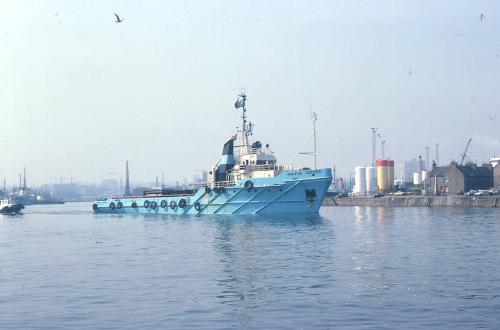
column 80, row 94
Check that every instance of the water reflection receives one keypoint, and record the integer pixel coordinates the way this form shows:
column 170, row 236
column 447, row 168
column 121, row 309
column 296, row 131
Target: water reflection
column 257, row 260
column 371, row 248
column 348, row 268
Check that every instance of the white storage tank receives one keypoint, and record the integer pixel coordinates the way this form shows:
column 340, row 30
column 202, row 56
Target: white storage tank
column 417, row 178
column 371, row 179
column 360, row 180
column 424, row 175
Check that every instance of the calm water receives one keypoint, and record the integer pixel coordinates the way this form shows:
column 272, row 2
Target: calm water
column 62, row 267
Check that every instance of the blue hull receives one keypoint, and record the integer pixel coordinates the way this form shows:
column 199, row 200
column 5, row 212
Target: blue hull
column 300, row 191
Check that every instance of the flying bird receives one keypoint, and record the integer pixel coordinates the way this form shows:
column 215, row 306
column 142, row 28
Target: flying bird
column 482, row 17
column 118, row 19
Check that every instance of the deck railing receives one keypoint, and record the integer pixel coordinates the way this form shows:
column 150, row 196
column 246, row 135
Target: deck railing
column 267, row 167
column 217, row 184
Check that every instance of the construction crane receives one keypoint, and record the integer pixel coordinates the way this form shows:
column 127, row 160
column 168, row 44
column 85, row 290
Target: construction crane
column 465, row 151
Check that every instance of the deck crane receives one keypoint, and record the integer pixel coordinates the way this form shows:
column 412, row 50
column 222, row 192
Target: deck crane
column 465, row 151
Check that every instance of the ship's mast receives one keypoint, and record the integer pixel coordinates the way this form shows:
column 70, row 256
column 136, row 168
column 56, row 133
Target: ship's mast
column 314, row 117
column 246, row 127
column 24, row 179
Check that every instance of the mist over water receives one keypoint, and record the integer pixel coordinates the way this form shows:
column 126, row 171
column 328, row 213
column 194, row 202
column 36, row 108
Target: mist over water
column 351, row 267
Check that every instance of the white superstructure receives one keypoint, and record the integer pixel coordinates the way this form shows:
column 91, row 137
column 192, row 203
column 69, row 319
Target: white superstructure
column 250, row 160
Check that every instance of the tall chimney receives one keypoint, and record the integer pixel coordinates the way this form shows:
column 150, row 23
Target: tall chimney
column 127, row 182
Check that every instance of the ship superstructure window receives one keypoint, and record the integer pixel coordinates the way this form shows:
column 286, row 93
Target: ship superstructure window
column 311, row 195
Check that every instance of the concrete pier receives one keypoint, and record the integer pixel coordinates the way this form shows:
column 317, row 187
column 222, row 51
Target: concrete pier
column 416, row 201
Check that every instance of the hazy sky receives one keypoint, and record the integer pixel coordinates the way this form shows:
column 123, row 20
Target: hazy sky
column 80, row 94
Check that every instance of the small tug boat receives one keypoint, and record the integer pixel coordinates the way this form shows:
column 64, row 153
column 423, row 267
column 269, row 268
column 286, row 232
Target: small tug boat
column 6, row 207
column 245, row 182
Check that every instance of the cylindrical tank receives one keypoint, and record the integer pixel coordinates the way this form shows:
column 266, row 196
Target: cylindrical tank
column 382, row 175
column 390, row 175
column 371, row 179
column 424, row 175
column 417, row 178
column 341, row 184
column 360, row 180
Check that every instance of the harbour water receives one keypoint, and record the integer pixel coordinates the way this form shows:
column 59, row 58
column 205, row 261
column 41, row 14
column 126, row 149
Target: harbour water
column 62, row 267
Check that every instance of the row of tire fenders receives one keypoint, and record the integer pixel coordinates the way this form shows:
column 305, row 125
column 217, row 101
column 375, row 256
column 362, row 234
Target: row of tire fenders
column 153, row 205
column 173, row 204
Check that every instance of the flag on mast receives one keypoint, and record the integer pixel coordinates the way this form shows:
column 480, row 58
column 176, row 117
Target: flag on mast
column 240, row 103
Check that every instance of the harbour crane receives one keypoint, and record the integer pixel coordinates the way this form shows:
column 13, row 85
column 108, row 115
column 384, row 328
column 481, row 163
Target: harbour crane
column 465, row 151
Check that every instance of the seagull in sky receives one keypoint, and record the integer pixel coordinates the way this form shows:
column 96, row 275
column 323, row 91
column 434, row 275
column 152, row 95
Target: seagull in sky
column 118, row 19
column 482, row 17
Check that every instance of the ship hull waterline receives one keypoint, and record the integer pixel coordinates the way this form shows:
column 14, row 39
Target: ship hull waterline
column 291, row 192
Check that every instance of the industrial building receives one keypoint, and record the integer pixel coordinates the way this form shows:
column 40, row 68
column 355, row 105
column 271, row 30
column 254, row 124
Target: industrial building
column 495, row 164
column 455, row 179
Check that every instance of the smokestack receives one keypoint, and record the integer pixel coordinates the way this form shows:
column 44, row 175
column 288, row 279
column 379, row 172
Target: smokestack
column 127, row 182
column 226, row 162
column 427, row 158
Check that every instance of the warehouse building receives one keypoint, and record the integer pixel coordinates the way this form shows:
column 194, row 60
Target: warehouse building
column 495, row 163
column 456, row 179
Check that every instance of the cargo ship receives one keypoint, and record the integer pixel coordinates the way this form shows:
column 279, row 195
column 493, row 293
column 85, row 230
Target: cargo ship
column 24, row 195
column 246, row 180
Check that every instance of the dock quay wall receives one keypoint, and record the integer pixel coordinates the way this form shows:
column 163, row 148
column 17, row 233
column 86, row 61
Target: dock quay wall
column 416, row 201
